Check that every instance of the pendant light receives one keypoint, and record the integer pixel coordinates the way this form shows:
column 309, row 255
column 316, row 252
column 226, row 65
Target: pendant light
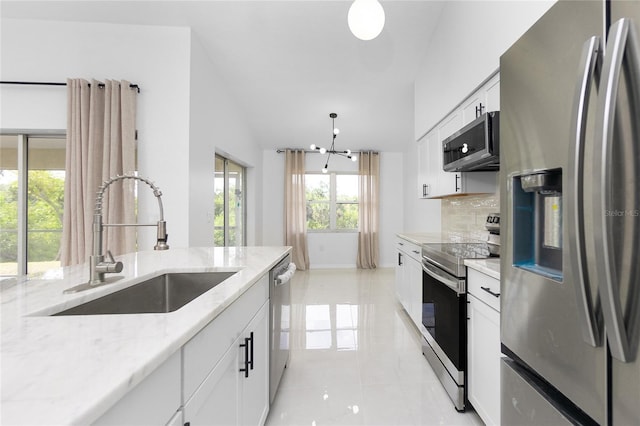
column 366, row 19
column 334, row 132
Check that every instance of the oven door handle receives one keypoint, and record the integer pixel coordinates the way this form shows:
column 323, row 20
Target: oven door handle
column 446, row 279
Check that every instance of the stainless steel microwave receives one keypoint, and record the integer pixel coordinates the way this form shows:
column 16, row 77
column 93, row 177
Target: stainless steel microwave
column 475, row 147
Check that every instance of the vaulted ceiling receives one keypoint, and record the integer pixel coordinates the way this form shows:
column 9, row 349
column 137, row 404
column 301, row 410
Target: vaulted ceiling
column 290, row 63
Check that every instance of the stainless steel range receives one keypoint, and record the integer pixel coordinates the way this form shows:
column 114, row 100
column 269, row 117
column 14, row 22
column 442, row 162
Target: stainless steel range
column 444, row 312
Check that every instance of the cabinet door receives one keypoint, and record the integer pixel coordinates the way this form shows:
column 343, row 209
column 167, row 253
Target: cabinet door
column 473, row 107
column 400, row 259
column 215, row 402
column 492, row 89
column 483, row 335
column 429, row 163
column 254, row 389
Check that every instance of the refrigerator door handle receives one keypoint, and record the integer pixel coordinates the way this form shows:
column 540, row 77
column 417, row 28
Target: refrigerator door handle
column 588, row 72
column 622, row 44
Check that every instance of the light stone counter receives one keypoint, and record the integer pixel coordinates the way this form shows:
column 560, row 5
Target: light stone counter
column 489, row 266
column 420, row 238
column 72, row 369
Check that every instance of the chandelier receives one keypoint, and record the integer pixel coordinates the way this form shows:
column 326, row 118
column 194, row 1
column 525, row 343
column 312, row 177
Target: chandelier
column 332, row 150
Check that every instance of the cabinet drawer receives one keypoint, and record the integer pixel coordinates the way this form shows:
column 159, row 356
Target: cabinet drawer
column 207, row 348
column 484, row 287
column 410, row 249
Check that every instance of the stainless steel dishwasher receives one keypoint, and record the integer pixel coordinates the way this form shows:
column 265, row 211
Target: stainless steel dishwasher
column 279, row 321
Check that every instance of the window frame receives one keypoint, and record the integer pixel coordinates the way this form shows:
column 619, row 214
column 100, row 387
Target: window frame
column 333, row 203
column 23, row 136
column 226, row 227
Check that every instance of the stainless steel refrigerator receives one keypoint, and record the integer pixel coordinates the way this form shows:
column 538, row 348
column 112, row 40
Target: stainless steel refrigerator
column 570, row 200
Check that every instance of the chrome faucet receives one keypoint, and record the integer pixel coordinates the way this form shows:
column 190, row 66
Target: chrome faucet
column 98, row 266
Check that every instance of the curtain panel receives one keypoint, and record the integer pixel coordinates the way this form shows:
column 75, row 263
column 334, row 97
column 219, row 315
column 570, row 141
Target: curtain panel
column 295, row 208
column 100, row 144
column 368, row 235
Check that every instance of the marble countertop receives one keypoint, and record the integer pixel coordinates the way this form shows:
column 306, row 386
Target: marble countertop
column 420, row 238
column 72, row 369
column 489, row 266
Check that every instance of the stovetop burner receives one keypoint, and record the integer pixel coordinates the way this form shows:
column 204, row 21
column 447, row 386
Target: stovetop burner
column 451, row 256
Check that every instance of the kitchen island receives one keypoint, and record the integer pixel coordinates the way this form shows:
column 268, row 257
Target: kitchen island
column 73, row 369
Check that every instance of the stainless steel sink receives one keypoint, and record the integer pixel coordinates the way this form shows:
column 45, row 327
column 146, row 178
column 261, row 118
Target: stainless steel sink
column 161, row 294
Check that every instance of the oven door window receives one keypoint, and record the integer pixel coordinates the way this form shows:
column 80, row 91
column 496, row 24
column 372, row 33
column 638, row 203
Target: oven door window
column 444, row 317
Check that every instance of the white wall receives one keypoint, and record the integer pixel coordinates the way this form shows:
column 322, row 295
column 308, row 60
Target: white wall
column 156, row 58
column 465, row 50
column 218, row 126
column 335, row 250
column 184, row 114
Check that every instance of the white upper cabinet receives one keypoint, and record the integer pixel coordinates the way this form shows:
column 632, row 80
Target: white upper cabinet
column 433, row 181
column 483, row 100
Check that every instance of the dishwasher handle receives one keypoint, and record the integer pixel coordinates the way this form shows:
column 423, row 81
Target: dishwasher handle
column 285, row 276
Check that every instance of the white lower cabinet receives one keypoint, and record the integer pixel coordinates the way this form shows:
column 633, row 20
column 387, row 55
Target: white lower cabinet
column 228, row 384
column 154, row 401
column 202, row 383
column 409, row 279
column 483, row 347
column 236, row 391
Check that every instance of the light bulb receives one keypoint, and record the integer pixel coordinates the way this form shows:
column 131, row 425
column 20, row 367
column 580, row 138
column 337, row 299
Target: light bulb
column 348, row 152
column 324, row 169
column 366, row 19
column 313, row 146
column 354, row 158
column 336, row 131
column 323, row 150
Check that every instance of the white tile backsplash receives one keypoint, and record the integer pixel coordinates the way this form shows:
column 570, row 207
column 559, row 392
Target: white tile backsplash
column 463, row 217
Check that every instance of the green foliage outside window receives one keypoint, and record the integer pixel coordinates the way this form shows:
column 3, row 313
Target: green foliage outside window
column 331, row 192
column 44, row 212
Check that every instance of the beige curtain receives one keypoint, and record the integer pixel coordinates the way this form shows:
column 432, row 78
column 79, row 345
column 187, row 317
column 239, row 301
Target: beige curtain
column 295, row 208
column 100, row 144
column 369, row 181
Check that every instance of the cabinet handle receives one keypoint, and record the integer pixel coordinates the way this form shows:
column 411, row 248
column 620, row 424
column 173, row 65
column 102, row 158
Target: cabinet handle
column 488, row 290
column 415, row 251
column 245, row 345
column 479, row 110
column 399, row 259
column 457, row 187
column 251, row 362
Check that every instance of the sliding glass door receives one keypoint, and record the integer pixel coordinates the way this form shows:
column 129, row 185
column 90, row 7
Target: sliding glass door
column 230, row 203
column 32, row 176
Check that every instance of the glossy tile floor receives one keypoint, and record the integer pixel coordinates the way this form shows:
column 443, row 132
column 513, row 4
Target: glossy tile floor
column 356, row 358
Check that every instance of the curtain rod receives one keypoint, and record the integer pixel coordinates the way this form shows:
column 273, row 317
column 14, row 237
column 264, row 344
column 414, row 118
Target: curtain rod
column 46, row 83
column 281, row 150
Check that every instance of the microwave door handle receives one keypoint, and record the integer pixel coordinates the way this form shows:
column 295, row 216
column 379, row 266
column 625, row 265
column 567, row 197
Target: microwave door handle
column 588, row 71
column 622, row 38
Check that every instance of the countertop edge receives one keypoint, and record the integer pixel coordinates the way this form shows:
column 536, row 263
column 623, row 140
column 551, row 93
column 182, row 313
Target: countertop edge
column 490, row 267
column 190, row 323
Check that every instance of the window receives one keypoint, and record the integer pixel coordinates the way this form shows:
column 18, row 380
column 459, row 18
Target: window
column 32, row 170
column 332, row 201
column 229, row 216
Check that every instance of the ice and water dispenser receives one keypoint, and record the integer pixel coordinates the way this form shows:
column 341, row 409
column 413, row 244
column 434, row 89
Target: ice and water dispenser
column 537, row 223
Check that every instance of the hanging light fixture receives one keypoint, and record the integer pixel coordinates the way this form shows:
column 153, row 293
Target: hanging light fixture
column 332, row 150
column 366, row 19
